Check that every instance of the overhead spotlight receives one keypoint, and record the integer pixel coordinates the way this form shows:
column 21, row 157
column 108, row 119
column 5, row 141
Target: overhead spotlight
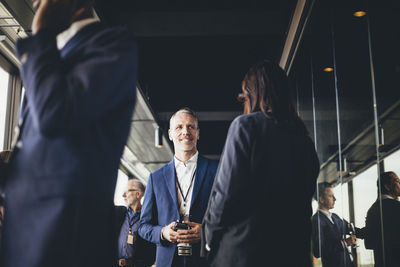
column 359, row 14
column 328, row 69
column 158, row 138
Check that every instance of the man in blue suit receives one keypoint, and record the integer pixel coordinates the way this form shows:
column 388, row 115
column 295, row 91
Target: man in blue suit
column 178, row 191
column 79, row 80
column 329, row 232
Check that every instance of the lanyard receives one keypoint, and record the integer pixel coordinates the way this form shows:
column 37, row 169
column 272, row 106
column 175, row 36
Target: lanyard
column 180, row 189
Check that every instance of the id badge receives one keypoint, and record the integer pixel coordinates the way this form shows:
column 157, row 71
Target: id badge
column 129, row 240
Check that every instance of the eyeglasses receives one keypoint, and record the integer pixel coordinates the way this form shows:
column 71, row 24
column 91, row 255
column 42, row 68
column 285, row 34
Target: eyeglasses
column 131, row 190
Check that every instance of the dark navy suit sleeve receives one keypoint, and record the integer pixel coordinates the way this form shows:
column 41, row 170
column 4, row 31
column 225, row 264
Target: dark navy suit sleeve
column 230, row 178
column 64, row 98
column 148, row 228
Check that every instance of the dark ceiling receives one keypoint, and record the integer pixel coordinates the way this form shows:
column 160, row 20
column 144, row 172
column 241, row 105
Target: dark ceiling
column 195, row 54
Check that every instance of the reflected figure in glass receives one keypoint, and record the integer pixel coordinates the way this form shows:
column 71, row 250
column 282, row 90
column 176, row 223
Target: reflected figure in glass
column 387, row 255
column 332, row 237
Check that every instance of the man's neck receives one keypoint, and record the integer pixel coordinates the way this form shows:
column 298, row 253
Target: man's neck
column 136, row 207
column 184, row 156
column 324, row 209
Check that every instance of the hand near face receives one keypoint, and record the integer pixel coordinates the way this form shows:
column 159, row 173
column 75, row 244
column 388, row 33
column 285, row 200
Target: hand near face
column 192, row 235
column 56, row 15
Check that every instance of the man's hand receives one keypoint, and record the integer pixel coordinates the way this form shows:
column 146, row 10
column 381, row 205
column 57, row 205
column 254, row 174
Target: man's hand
column 168, row 233
column 56, row 15
column 351, row 240
column 192, row 235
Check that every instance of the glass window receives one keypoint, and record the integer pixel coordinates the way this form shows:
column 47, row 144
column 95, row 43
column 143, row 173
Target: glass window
column 392, row 163
column 4, row 79
column 365, row 192
column 342, row 201
column 120, row 187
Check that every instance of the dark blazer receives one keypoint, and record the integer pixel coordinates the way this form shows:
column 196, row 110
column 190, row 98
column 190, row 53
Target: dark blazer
column 76, row 119
column 391, row 224
column 160, row 206
column 260, row 206
column 145, row 252
column 329, row 236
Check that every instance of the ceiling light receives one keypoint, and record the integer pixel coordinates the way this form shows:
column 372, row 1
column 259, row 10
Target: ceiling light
column 328, row 69
column 359, row 14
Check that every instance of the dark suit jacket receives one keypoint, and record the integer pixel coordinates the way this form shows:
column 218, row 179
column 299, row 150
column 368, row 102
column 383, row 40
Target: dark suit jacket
column 391, row 224
column 145, row 252
column 77, row 114
column 160, row 206
column 329, row 237
column 260, row 205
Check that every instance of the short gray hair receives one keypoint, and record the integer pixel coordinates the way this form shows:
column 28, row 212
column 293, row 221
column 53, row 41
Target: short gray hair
column 138, row 183
column 187, row 111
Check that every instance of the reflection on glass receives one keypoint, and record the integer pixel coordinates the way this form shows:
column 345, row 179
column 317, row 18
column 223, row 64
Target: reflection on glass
column 392, row 162
column 365, row 192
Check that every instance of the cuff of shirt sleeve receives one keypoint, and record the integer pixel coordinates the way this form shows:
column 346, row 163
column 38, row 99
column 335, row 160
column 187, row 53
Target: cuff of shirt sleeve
column 161, row 235
column 43, row 38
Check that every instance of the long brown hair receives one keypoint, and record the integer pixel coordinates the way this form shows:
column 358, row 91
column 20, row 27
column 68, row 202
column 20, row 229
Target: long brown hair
column 266, row 88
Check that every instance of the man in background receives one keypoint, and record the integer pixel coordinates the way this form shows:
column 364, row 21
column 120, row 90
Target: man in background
column 329, row 231
column 388, row 254
column 80, row 83
column 132, row 250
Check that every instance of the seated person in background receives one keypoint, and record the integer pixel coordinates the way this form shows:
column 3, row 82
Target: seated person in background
column 329, row 231
column 132, row 250
column 389, row 185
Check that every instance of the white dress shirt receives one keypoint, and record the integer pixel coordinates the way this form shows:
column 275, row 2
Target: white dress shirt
column 65, row 36
column 327, row 214
column 185, row 175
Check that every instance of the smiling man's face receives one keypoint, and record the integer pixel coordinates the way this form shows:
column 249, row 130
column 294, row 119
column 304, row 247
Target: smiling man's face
column 184, row 132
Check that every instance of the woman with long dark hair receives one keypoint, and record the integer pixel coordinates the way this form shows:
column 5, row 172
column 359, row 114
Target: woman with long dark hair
column 260, row 205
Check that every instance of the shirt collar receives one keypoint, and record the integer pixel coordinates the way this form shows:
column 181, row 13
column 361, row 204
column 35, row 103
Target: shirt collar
column 327, row 213
column 384, row 196
column 193, row 159
column 65, row 36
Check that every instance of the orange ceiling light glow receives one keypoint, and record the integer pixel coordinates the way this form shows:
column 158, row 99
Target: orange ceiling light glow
column 328, row 69
column 359, row 14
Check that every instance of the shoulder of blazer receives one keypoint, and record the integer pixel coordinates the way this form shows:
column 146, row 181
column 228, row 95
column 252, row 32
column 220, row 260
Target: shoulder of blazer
column 210, row 162
column 161, row 170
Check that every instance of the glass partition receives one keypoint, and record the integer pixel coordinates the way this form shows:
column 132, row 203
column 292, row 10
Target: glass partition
column 4, row 85
column 346, row 78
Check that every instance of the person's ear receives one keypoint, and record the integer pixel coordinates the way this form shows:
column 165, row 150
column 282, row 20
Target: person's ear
column 387, row 187
column 169, row 134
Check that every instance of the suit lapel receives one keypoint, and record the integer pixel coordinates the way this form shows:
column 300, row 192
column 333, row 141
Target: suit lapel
column 200, row 174
column 338, row 223
column 170, row 180
column 79, row 38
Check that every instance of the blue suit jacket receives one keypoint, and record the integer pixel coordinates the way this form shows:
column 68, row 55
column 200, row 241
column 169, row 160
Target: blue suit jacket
column 329, row 237
column 76, row 118
column 160, row 205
